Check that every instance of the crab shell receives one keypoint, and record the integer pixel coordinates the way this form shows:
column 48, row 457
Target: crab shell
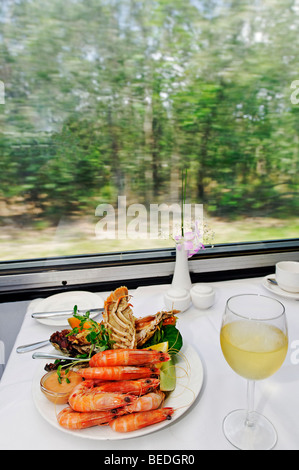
column 119, row 319
column 147, row 326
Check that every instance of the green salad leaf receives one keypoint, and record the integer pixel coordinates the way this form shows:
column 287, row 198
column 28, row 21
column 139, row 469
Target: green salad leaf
column 167, row 333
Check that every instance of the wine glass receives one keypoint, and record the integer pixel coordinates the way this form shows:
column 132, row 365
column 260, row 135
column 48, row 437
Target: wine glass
column 254, row 342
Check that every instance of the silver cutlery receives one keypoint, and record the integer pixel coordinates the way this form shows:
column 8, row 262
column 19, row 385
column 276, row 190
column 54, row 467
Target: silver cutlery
column 65, row 313
column 39, row 355
column 30, row 347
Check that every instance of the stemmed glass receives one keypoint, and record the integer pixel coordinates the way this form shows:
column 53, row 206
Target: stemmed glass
column 254, row 342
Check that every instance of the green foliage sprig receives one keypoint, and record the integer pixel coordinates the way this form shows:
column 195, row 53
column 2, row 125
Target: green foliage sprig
column 97, row 335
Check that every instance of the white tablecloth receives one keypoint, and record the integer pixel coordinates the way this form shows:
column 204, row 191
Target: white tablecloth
column 200, row 428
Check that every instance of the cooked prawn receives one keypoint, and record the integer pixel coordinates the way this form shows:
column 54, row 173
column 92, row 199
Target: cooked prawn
column 128, row 357
column 150, row 401
column 87, row 397
column 70, row 419
column 134, row 421
column 134, row 387
column 119, row 373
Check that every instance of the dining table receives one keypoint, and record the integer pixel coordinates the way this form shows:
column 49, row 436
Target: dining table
column 199, row 425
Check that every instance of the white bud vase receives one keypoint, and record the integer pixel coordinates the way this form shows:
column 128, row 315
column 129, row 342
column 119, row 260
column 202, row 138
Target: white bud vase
column 181, row 277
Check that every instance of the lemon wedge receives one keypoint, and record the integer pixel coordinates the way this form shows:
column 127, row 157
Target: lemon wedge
column 163, row 347
column 168, row 372
column 168, row 376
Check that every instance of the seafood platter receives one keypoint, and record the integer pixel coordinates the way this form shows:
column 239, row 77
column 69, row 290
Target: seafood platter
column 119, row 378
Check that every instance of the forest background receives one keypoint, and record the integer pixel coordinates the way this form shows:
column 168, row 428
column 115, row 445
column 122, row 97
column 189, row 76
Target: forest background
column 116, row 97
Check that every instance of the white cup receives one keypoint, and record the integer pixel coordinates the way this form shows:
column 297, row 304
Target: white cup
column 287, row 276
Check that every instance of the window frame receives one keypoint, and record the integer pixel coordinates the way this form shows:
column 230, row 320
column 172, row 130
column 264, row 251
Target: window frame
column 27, row 279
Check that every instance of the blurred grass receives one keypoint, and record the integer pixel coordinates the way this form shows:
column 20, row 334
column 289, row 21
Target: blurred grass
column 78, row 237
column 256, row 229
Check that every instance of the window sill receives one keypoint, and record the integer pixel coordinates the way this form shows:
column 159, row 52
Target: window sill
column 32, row 278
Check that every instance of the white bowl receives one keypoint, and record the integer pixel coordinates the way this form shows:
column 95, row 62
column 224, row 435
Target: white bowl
column 178, row 299
column 202, row 296
column 287, row 276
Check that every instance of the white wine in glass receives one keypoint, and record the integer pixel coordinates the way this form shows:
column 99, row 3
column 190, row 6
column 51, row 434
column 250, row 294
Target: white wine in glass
column 254, row 342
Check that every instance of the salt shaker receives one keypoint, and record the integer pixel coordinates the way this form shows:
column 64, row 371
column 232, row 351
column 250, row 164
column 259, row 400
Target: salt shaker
column 203, row 296
column 178, row 299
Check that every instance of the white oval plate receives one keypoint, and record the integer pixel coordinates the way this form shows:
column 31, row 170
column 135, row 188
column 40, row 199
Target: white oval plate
column 190, row 376
column 66, row 301
column 277, row 290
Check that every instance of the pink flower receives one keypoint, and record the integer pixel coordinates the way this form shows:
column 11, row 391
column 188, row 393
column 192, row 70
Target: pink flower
column 190, row 241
